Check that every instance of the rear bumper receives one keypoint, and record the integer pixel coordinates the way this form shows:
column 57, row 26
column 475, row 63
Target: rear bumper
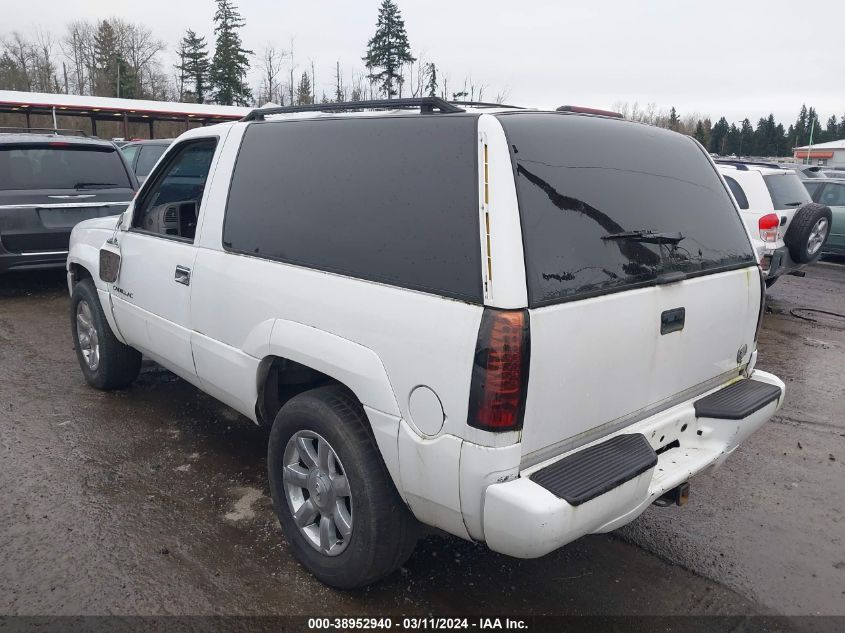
column 522, row 518
column 780, row 262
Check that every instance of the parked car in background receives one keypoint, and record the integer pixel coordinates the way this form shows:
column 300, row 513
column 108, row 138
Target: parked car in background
column 442, row 316
column 806, row 172
column 142, row 155
column 831, row 192
column 786, row 227
column 48, row 183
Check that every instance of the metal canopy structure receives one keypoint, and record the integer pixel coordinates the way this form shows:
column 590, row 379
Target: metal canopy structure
column 125, row 111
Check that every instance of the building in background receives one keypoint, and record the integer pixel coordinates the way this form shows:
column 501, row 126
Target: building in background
column 830, row 154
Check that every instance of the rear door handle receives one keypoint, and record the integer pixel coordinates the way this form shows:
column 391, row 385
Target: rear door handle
column 183, row 276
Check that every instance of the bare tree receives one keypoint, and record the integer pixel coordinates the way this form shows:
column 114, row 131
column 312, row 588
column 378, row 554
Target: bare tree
column 270, row 65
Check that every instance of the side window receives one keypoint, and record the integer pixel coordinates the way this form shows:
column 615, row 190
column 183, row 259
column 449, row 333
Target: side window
column 171, row 205
column 813, row 187
column 389, row 199
column 129, row 153
column 833, row 195
column 148, row 157
column 736, row 190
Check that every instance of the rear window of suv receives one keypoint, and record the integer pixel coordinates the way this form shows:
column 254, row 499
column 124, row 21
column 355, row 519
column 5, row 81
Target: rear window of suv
column 608, row 205
column 388, row 199
column 787, row 190
column 55, row 166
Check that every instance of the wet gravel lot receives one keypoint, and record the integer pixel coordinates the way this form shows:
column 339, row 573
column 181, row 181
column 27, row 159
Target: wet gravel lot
column 154, row 500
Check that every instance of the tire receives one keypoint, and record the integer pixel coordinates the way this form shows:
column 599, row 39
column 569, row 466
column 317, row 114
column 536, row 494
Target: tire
column 808, row 232
column 383, row 531
column 117, row 365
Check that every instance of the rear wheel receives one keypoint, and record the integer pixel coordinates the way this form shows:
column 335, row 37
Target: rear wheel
column 106, row 363
column 335, row 500
column 808, row 232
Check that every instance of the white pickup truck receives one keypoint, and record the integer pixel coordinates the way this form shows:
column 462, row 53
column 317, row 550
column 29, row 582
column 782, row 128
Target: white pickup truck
column 516, row 326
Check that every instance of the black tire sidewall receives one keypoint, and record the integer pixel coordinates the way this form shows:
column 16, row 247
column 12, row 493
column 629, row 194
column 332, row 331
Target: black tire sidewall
column 798, row 235
column 85, row 291
column 366, row 475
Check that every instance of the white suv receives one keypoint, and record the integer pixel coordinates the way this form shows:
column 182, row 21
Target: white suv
column 787, row 228
column 516, row 326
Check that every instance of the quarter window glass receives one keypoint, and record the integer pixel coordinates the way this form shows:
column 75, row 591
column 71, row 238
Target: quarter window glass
column 170, row 207
column 736, row 190
column 389, row 199
column 608, row 205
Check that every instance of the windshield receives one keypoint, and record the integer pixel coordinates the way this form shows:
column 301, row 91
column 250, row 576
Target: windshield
column 607, row 205
column 53, row 166
column 787, row 190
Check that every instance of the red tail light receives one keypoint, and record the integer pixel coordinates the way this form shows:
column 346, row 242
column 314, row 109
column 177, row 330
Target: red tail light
column 500, row 371
column 769, row 227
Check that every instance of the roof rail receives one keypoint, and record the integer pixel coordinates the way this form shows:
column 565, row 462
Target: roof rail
column 485, row 104
column 42, row 130
column 583, row 110
column 427, row 105
column 742, row 164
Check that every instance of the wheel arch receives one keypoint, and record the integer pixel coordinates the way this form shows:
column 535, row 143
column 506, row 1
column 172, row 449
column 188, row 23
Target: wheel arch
column 299, row 357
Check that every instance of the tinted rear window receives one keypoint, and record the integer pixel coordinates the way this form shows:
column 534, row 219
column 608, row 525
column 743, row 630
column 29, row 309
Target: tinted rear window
column 787, row 190
column 46, row 167
column 390, row 199
column 581, row 179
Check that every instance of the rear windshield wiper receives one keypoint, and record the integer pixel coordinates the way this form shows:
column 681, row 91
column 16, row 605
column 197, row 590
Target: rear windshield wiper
column 649, row 237
column 792, row 204
column 95, row 185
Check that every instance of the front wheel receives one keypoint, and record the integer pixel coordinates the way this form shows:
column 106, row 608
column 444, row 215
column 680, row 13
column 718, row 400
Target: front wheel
column 331, row 491
column 106, row 363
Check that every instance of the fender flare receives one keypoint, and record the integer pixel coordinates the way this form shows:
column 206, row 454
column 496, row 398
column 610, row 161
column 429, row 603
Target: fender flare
column 352, row 364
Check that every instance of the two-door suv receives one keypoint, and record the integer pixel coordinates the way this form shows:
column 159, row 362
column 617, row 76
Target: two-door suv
column 516, row 326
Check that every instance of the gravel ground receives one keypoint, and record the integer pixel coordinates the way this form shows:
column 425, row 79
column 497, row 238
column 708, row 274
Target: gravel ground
column 154, row 500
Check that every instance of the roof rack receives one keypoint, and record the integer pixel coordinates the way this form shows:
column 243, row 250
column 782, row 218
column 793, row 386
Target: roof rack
column 485, row 104
column 427, row 105
column 742, row 165
column 42, row 130
column 584, row 110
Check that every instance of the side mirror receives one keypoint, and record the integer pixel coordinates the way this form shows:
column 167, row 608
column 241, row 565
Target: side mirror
column 109, row 263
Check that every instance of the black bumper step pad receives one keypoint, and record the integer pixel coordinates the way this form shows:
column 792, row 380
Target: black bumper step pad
column 589, row 473
column 737, row 401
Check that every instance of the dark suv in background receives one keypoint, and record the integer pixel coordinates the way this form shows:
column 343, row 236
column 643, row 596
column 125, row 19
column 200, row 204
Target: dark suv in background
column 49, row 182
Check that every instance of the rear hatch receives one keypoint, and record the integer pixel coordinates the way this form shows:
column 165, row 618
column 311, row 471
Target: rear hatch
column 787, row 193
column 628, row 234
column 47, row 187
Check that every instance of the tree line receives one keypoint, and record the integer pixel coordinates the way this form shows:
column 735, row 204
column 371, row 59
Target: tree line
column 741, row 138
column 115, row 58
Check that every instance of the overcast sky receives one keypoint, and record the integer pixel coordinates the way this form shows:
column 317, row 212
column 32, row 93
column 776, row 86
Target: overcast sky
column 733, row 58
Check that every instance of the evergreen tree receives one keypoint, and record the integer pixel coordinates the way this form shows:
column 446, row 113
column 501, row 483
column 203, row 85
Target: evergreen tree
column 431, row 79
column 106, row 54
column 719, row 137
column 388, row 49
column 732, row 142
column 674, row 121
column 231, row 60
column 194, row 64
column 303, row 91
column 700, row 135
column 746, row 139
